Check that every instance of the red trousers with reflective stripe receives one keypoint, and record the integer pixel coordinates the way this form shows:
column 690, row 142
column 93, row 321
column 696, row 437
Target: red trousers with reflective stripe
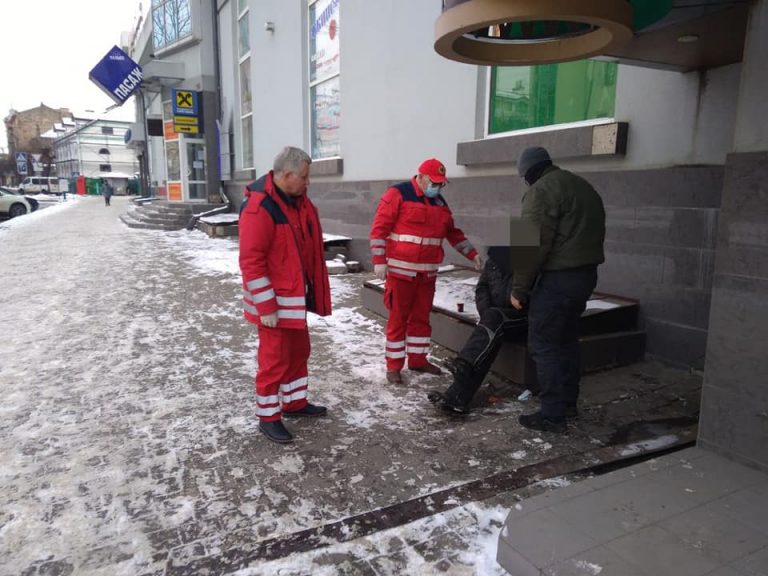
column 408, row 331
column 281, row 378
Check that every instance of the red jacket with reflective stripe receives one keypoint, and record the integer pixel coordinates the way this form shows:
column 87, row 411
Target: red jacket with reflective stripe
column 281, row 256
column 409, row 228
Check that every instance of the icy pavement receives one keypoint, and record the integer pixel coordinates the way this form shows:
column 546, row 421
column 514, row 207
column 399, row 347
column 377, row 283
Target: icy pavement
column 129, row 444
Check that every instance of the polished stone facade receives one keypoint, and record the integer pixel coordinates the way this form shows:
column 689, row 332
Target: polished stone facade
column 661, row 235
column 734, row 417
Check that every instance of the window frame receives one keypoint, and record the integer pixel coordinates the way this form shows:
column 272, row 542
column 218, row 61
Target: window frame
column 244, row 117
column 312, row 84
column 178, row 37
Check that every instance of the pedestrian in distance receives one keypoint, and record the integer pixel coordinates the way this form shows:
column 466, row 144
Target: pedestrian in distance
column 106, row 191
column 406, row 238
column 284, row 277
column 499, row 322
column 571, row 219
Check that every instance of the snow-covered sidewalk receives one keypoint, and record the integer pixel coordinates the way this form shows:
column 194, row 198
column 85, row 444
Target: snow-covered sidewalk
column 128, row 440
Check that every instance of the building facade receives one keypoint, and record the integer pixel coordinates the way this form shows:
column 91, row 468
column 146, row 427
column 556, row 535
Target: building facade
column 94, row 148
column 25, row 128
column 670, row 131
column 175, row 43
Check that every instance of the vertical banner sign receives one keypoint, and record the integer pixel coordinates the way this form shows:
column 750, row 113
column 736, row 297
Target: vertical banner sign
column 117, row 75
column 186, row 111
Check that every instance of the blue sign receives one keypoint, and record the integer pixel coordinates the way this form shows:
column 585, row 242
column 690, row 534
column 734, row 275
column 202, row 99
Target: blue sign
column 21, row 163
column 185, row 103
column 117, row 75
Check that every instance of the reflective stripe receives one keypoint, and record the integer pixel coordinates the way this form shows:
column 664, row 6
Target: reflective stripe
column 418, row 339
column 298, row 395
column 418, row 349
column 400, row 354
column 412, row 265
column 291, row 386
column 262, row 282
column 271, row 411
column 292, row 314
column 378, row 242
column 263, row 296
column 465, row 247
column 267, row 400
column 250, row 309
column 394, row 270
column 400, row 344
column 291, row 300
column 415, row 239
column 378, row 251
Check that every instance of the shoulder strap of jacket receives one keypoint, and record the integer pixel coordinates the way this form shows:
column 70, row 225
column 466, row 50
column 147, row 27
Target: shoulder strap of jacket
column 408, row 192
column 265, row 200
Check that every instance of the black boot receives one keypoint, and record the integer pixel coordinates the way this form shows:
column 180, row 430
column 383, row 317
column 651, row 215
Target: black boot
column 457, row 398
column 276, row 431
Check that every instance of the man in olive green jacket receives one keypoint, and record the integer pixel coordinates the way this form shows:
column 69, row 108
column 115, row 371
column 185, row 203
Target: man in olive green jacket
column 570, row 216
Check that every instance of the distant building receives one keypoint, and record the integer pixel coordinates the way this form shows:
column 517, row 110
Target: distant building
column 94, row 148
column 25, row 128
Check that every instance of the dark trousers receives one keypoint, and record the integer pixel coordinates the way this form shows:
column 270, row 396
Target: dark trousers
column 496, row 326
column 556, row 304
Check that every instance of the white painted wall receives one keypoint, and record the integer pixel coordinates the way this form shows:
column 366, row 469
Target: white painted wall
column 278, row 72
column 401, row 102
column 714, row 128
column 751, row 126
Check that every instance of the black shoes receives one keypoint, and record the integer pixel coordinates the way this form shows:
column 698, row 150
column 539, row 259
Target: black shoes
column 276, row 432
column 308, row 410
column 537, row 421
column 447, row 404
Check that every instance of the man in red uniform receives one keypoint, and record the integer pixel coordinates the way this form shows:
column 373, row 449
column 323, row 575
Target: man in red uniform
column 406, row 244
column 284, row 277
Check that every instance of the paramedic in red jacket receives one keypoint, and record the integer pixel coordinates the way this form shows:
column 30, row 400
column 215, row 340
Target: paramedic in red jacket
column 284, row 277
column 406, row 245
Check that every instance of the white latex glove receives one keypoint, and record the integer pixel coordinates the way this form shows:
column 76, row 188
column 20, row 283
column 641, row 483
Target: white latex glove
column 380, row 270
column 269, row 320
column 478, row 260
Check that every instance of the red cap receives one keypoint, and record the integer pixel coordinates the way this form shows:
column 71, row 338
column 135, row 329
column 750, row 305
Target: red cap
column 434, row 169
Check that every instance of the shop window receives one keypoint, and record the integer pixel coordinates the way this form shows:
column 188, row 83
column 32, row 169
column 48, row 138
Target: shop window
column 246, row 98
column 324, row 78
column 533, row 96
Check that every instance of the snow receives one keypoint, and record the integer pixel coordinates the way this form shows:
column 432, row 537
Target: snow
column 225, row 218
column 478, row 525
column 335, row 238
column 601, row 305
column 127, row 412
column 33, row 218
column 649, row 445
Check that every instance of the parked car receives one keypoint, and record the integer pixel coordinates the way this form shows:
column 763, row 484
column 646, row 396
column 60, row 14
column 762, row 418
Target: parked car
column 38, row 184
column 14, row 203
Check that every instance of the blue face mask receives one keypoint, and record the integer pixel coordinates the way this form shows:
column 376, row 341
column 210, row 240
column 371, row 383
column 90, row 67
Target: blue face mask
column 432, row 191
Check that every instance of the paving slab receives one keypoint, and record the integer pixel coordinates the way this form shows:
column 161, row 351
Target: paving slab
column 130, row 445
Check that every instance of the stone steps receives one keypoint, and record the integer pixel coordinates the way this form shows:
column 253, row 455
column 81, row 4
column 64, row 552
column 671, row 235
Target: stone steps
column 161, row 215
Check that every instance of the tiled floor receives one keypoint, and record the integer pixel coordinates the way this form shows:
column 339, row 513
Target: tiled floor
column 691, row 513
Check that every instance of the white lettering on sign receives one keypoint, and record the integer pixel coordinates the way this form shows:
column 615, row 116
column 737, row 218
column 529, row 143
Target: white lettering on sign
column 127, row 85
column 118, row 57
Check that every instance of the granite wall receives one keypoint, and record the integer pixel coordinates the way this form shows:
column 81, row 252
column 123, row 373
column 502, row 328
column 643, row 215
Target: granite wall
column 661, row 235
column 734, row 416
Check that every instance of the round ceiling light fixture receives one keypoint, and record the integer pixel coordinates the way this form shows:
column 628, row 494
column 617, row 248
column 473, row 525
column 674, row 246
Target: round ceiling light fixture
column 523, row 32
